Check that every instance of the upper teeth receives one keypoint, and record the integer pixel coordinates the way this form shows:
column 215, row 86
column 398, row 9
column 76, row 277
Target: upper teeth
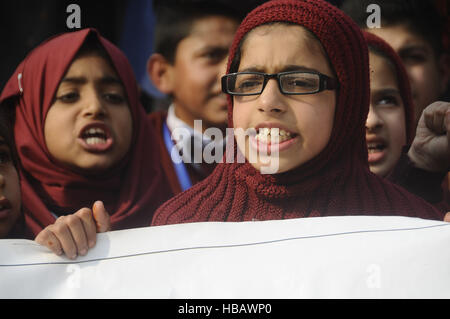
column 266, row 133
column 374, row 145
column 94, row 135
column 95, row 131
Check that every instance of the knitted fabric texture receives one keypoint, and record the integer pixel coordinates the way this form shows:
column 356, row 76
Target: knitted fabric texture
column 335, row 182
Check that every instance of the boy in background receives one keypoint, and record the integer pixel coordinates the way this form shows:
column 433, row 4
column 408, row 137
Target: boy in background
column 419, row 35
column 192, row 39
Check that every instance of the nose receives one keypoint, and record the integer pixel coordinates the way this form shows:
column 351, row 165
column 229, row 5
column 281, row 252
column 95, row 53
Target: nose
column 271, row 100
column 94, row 106
column 374, row 121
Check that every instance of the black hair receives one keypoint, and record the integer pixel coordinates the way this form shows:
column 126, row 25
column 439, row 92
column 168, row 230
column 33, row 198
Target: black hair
column 92, row 45
column 175, row 18
column 419, row 16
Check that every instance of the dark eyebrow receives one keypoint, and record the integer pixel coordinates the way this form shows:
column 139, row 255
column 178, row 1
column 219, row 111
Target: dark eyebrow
column 110, row 80
column 411, row 48
column 286, row 68
column 218, row 48
column 387, row 91
column 74, row 80
column 107, row 79
column 252, row 69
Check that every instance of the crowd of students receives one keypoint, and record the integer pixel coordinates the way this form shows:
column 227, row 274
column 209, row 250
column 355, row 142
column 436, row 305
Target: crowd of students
column 340, row 110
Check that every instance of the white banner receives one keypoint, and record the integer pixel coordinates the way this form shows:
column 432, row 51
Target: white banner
column 323, row 257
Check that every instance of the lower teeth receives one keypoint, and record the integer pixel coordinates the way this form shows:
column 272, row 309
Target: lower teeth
column 95, row 140
column 268, row 138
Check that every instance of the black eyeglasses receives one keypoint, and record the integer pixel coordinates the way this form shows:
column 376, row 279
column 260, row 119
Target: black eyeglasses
column 292, row 82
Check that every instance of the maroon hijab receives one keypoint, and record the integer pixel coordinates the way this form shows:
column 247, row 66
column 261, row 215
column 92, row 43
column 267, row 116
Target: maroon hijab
column 131, row 191
column 335, row 182
column 382, row 47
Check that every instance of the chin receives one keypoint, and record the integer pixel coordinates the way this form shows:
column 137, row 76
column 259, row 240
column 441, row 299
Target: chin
column 5, row 229
column 218, row 117
column 94, row 168
column 380, row 171
column 219, row 121
column 271, row 166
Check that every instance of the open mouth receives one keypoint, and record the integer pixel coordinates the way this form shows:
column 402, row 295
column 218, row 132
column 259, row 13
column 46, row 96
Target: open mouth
column 377, row 150
column 5, row 204
column 96, row 137
column 375, row 147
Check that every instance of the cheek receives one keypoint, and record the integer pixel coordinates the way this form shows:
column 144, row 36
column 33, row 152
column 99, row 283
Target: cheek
column 11, row 191
column 12, row 188
column 397, row 139
column 424, row 77
column 195, row 78
column 242, row 115
column 416, row 74
column 204, row 83
column 397, row 131
column 191, row 93
column 58, row 128
column 316, row 124
column 124, row 126
column 241, row 122
column 317, row 133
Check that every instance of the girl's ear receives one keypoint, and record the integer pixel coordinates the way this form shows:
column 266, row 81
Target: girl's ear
column 160, row 72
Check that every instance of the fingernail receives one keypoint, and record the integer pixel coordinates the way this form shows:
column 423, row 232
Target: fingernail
column 83, row 252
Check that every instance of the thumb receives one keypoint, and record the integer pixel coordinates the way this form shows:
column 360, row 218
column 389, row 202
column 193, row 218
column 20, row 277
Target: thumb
column 101, row 217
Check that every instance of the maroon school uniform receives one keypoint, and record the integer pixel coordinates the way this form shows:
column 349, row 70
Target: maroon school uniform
column 195, row 175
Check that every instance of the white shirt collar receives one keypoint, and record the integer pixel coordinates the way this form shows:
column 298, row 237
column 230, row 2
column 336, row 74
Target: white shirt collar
column 174, row 122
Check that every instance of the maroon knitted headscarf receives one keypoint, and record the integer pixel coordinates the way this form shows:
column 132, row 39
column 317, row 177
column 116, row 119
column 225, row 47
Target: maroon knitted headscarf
column 335, row 182
column 131, row 190
column 379, row 45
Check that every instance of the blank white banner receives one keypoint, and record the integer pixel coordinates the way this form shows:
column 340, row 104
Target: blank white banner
column 321, row 257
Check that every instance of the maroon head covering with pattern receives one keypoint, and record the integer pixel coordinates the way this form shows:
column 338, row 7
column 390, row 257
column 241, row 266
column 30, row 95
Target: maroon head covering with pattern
column 337, row 181
column 132, row 190
column 382, row 47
